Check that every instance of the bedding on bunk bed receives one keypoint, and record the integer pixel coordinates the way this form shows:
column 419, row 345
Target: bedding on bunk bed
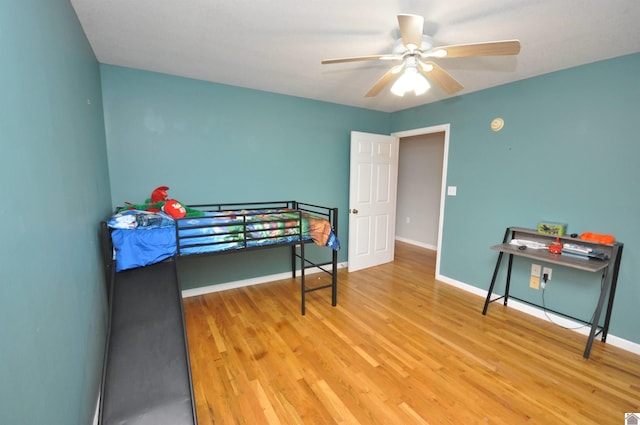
column 141, row 238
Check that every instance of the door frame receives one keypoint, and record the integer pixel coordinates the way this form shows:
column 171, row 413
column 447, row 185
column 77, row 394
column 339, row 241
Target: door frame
column 441, row 128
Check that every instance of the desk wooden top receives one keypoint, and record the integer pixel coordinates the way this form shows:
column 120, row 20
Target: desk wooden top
column 590, row 265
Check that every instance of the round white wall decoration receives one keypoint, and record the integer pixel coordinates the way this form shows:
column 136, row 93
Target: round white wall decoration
column 497, row 124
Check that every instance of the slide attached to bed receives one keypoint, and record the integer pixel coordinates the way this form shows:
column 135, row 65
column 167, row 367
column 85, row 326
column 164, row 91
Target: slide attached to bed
column 147, row 376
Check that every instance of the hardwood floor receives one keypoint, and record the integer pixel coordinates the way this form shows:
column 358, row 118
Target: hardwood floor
column 400, row 348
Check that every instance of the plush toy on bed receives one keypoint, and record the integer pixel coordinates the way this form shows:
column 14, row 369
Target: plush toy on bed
column 159, row 202
column 174, row 208
column 169, row 206
column 159, row 194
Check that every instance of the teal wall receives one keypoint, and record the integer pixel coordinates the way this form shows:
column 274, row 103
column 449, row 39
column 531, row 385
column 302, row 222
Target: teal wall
column 568, row 152
column 55, row 188
column 215, row 143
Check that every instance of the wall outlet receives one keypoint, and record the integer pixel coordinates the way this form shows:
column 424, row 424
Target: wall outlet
column 547, row 271
column 535, row 270
column 534, row 282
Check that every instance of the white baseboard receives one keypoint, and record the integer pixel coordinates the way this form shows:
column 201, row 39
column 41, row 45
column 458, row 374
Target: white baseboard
column 416, row 243
column 248, row 282
column 541, row 314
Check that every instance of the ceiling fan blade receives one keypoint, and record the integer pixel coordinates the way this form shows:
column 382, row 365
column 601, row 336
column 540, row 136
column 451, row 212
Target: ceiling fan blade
column 411, row 27
column 384, row 80
column 441, row 77
column 492, row 48
column 362, row 58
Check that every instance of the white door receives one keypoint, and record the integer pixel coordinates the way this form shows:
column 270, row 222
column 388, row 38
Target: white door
column 372, row 199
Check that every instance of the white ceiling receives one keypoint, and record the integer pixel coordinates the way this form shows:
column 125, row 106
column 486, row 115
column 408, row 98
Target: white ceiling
column 277, row 46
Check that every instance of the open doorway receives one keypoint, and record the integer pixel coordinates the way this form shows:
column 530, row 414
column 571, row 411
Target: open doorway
column 421, row 188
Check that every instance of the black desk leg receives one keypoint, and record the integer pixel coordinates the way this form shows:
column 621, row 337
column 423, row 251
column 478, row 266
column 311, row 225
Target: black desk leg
column 596, row 315
column 495, row 274
column 493, row 282
column 617, row 254
column 506, row 290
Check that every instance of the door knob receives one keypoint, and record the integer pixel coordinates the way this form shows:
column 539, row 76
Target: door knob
column 354, row 211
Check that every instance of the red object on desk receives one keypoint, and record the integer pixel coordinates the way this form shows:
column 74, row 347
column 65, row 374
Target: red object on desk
column 599, row 238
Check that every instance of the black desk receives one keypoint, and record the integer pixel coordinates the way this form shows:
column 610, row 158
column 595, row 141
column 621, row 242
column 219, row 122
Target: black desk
column 609, row 269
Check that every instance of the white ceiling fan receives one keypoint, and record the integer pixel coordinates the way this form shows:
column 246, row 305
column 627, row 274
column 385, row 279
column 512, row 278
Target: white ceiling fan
column 415, row 51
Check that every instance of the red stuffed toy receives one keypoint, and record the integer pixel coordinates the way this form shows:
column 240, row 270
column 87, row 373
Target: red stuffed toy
column 174, row 208
column 159, row 194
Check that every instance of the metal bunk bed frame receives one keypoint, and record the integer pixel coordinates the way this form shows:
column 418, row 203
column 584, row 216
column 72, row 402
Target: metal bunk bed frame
column 297, row 245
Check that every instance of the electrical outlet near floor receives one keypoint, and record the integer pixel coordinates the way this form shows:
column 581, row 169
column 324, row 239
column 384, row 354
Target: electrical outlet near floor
column 534, row 282
column 547, row 271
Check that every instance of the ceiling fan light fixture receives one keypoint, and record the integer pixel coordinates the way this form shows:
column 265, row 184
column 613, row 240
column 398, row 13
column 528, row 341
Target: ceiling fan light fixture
column 398, row 88
column 421, row 85
column 410, row 80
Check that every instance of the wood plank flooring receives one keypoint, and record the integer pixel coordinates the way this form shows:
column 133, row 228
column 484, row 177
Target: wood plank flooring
column 400, row 348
